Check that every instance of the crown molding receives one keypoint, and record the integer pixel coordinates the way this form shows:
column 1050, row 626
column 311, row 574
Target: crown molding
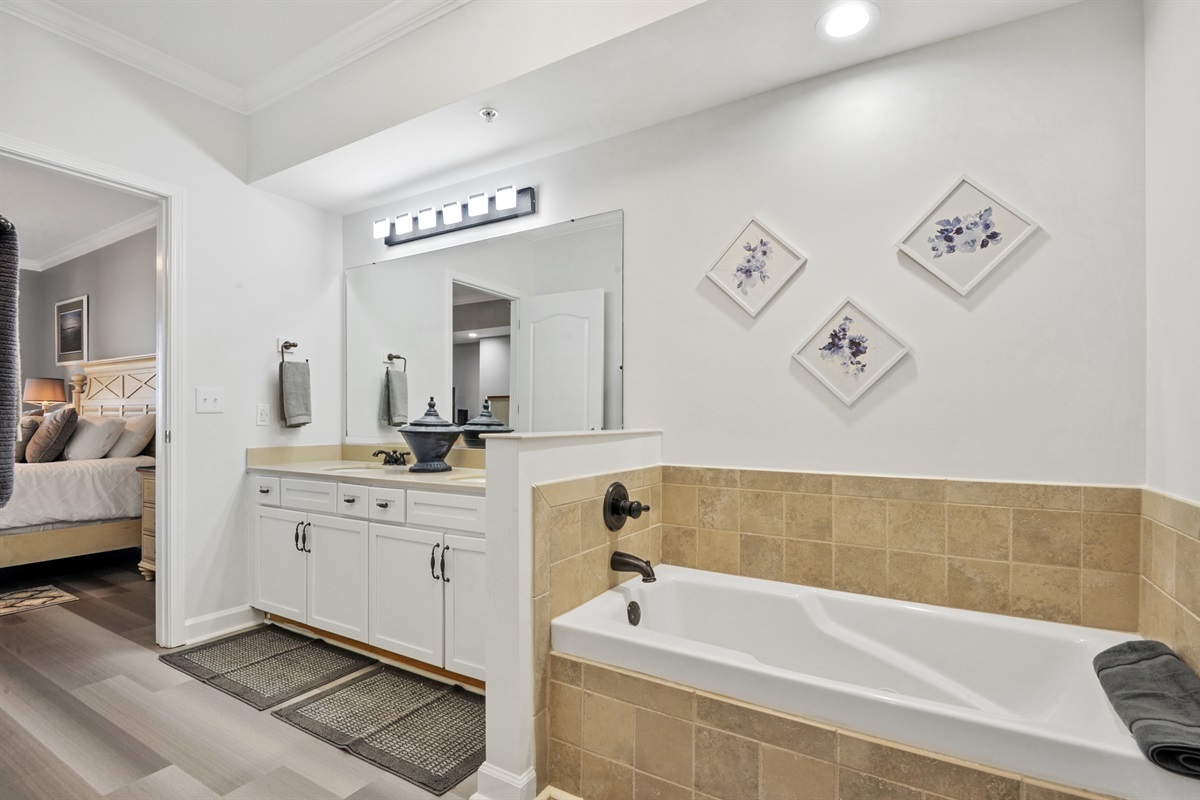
column 381, row 28
column 81, row 30
column 122, row 230
column 389, row 23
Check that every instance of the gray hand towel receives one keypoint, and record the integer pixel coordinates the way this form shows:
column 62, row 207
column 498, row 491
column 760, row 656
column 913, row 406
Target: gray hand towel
column 10, row 356
column 393, row 400
column 1158, row 697
column 296, row 395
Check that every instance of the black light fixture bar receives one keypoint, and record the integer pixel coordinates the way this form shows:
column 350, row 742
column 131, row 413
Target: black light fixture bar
column 526, row 204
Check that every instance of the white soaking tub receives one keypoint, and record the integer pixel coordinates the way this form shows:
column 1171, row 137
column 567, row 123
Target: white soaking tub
column 1018, row 695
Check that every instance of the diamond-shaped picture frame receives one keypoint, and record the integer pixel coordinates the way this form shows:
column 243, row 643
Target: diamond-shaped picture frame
column 755, row 266
column 850, row 351
column 967, row 234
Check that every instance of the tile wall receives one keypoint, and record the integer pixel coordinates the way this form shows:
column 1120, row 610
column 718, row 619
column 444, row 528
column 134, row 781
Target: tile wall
column 571, row 548
column 1060, row 553
column 1170, row 574
column 616, row 735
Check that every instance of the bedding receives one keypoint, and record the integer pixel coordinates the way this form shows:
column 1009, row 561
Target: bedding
column 51, row 437
column 74, row 492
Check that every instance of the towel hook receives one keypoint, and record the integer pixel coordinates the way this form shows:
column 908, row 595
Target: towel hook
column 283, row 349
column 393, row 357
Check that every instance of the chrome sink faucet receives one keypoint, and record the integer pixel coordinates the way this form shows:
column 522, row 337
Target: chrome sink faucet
column 392, row 459
column 624, row 562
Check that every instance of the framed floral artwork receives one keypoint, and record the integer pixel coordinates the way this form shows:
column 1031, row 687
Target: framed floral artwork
column 966, row 235
column 850, row 351
column 755, row 266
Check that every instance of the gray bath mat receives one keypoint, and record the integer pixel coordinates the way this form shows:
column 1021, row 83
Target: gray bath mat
column 426, row 732
column 29, row 599
column 266, row 666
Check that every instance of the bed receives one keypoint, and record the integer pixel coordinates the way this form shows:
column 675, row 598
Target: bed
column 71, row 508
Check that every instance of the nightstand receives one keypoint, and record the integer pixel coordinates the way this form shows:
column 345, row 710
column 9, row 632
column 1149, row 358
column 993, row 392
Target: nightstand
column 146, row 565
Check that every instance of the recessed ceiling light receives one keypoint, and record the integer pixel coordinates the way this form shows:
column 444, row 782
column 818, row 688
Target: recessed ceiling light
column 489, row 114
column 473, row 335
column 847, row 19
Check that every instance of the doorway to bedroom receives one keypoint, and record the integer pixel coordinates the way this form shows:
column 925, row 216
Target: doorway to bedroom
column 91, row 484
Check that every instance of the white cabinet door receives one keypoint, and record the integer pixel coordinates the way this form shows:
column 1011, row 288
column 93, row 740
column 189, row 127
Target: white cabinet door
column 279, row 564
column 559, row 344
column 466, row 605
column 406, row 591
column 337, row 575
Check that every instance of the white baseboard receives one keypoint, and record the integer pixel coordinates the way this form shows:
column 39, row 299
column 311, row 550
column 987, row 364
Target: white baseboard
column 500, row 784
column 209, row 626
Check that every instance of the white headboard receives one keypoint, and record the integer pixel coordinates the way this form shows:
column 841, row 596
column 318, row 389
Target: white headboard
column 116, row 387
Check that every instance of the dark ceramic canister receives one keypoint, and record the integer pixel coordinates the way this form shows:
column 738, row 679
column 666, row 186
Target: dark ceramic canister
column 484, row 423
column 430, row 438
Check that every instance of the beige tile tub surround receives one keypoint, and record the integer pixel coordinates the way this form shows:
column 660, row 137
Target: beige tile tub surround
column 616, row 735
column 1060, row 553
column 1169, row 584
column 571, row 548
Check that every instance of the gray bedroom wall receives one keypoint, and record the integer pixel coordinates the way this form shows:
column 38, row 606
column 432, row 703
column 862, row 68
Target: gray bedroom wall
column 119, row 281
column 37, row 357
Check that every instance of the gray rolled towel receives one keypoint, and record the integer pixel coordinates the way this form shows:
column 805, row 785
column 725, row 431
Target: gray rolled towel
column 10, row 356
column 1158, row 697
column 296, row 396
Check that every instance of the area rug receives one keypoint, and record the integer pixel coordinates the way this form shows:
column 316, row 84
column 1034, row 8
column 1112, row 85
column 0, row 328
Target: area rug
column 29, row 599
column 426, row 732
column 266, row 666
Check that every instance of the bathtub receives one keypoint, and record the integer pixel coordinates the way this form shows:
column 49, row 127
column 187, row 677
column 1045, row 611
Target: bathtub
column 1014, row 694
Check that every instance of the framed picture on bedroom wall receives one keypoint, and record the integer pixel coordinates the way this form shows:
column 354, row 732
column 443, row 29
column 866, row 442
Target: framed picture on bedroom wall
column 71, row 331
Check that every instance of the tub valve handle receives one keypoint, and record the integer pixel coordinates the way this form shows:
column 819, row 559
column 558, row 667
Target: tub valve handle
column 618, row 506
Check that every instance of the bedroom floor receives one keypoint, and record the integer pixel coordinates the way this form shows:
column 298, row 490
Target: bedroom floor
column 87, row 710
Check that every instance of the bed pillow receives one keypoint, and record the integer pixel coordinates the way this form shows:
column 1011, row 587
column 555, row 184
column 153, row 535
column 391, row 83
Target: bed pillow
column 138, row 433
column 51, row 437
column 29, row 426
column 93, row 438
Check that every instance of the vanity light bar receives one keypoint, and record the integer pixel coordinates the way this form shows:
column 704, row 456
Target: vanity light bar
column 479, row 209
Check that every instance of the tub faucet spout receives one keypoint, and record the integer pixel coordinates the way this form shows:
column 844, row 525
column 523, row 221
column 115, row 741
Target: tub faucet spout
column 624, row 562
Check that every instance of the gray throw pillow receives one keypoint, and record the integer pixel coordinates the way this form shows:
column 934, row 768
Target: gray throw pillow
column 29, row 426
column 51, row 437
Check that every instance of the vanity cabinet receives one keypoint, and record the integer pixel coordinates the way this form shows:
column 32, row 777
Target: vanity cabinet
column 428, row 596
column 401, row 569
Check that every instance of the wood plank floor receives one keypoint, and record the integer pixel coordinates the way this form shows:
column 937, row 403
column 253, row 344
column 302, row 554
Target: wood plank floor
column 88, row 711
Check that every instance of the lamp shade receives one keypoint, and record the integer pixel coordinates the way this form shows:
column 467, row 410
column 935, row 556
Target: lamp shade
column 45, row 391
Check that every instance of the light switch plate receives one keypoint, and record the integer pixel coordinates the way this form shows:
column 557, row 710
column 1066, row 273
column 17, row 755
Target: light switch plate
column 210, row 400
column 263, row 414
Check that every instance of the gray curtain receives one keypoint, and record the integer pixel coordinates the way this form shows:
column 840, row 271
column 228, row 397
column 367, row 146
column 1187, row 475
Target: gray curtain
column 10, row 356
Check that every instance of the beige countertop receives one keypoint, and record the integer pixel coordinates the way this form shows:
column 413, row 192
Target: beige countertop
column 459, row 480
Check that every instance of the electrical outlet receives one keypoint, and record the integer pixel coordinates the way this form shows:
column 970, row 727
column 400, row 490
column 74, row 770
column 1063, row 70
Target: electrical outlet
column 210, row 401
column 263, row 414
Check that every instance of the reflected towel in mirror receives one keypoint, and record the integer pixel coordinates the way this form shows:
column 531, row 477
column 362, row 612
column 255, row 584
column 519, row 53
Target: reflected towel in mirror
column 393, row 402
column 296, row 394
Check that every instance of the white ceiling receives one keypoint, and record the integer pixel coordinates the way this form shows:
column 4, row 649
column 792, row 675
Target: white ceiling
column 59, row 217
column 247, row 54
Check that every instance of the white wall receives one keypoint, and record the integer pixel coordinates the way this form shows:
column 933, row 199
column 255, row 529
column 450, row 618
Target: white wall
column 1038, row 375
column 256, row 266
column 467, row 364
column 1172, row 277
column 495, row 367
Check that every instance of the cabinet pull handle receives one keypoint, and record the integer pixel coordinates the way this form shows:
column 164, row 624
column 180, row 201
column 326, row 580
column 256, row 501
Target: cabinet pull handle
column 381, row 504
column 347, row 499
column 263, row 490
column 304, row 538
column 433, row 561
column 444, row 551
column 297, row 539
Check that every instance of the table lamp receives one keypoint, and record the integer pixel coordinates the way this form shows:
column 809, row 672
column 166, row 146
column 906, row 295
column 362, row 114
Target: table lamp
column 44, row 391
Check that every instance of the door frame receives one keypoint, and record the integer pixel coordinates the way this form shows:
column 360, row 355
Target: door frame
column 492, row 287
column 168, row 351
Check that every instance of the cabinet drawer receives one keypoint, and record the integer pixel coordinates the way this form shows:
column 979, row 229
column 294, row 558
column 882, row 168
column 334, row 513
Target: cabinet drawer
column 385, row 505
column 148, row 519
column 352, row 500
column 147, row 547
column 308, row 495
column 453, row 511
column 265, row 491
